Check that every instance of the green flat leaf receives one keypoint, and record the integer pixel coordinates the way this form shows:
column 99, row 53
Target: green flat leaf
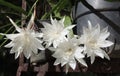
column 14, row 7
column 67, row 21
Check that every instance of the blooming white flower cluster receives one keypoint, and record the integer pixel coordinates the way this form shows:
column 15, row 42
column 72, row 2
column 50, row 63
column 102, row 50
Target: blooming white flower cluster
column 67, row 51
column 26, row 40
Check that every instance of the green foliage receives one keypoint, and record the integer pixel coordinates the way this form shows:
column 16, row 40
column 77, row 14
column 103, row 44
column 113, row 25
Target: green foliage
column 57, row 8
column 14, row 7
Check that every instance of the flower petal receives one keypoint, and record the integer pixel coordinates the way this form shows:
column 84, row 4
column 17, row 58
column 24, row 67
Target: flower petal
column 63, row 62
column 104, row 35
column 14, row 24
column 31, row 22
column 11, row 44
column 99, row 53
column 105, row 43
column 106, row 55
column 81, row 61
column 92, row 57
column 72, row 64
column 57, row 61
column 19, row 50
column 89, row 25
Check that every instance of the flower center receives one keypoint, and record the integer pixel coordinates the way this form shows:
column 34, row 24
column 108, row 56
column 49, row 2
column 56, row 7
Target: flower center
column 92, row 43
column 69, row 51
column 56, row 34
column 26, row 38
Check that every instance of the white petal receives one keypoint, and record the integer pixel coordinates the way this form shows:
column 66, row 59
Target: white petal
column 31, row 22
column 67, row 68
column 12, row 51
column 12, row 36
column 34, row 50
column 48, row 44
column 57, row 61
column 104, row 30
column 80, row 49
column 79, row 55
column 55, row 43
column 92, row 57
column 82, row 62
column 66, row 30
column 63, row 62
column 38, row 35
column 41, row 47
column 62, row 21
column 89, row 52
column 57, row 54
column 19, row 50
column 70, row 27
column 16, row 48
column 17, row 55
column 72, row 64
column 46, row 25
column 37, row 44
column 11, row 44
column 105, row 43
column 99, row 53
column 103, row 36
column 14, row 24
column 27, row 52
column 89, row 25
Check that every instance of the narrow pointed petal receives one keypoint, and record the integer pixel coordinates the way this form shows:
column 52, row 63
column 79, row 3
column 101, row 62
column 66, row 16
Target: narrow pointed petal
column 46, row 25
column 63, row 62
column 27, row 52
column 52, row 21
column 70, row 27
column 57, row 61
column 99, row 53
column 89, row 25
column 62, row 21
column 31, row 22
column 81, row 61
column 55, row 44
column 105, row 43
column 38, row 44
column 17, row 55
column 72, row 64
column 11, row 44
column 67, row 68
column 12, row 36
column 92, row 57
column 14, row 24
column 103, row 36
column 19, row 50
column 104, row 30
column 39, row 35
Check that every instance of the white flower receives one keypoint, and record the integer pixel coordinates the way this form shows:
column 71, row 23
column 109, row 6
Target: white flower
column 25, row 41
column 55, row 32
column 67, row 53
column 94, row 41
